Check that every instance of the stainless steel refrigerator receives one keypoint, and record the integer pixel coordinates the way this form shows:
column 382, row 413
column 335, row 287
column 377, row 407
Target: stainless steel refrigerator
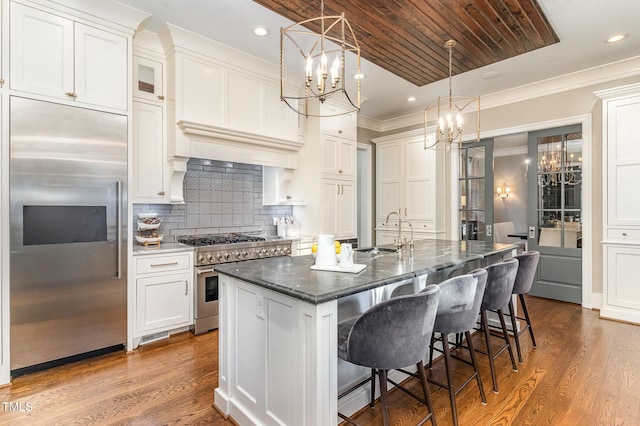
column 68, row 209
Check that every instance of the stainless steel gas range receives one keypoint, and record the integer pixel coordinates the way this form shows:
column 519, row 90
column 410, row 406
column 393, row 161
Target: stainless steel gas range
column 217, row 249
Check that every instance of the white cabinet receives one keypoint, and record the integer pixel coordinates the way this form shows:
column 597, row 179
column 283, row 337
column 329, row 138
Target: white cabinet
column 339, row 208
column 330, row 168
column 621, row 172
column 54, row 56
column 148, row 82
column 338, row 157
column 409, row 182
column 149, row 154
column 163, row 293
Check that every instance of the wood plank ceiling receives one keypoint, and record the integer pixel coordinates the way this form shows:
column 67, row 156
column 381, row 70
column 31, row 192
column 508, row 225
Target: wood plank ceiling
column 406, row 37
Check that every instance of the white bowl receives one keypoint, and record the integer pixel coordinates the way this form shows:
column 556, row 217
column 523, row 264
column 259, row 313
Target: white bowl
column 145, row 226
column 146, row 215
column 147, row 240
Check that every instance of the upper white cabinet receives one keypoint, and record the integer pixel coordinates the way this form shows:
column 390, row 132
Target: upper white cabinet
column 150, row 165
column 409, row 182
column 621, row 210
column 148, row 83
column 330, row 181
column 54, row 56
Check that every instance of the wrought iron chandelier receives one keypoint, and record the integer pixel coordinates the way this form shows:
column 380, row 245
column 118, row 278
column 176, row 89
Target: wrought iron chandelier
column 317, row 50
column 556, row 166
column 447, row 112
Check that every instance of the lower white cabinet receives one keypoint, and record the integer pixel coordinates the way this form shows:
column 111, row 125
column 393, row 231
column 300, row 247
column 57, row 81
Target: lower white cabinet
column 163, row 293
column 621, row 287
column 339, row 208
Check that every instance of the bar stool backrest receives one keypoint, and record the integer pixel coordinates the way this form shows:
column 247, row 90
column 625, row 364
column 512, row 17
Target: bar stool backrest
column 459, row 305
column 528, row 264
column 394, row 333
column 500, row 280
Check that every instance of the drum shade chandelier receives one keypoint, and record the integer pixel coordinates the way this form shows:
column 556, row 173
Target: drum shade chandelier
column 447, row 112
column 324, row 56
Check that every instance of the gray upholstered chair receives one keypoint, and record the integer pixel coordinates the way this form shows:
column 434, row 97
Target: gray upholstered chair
column 528, row 264
column 458, row 309
column 500, row 280
column 391, row 335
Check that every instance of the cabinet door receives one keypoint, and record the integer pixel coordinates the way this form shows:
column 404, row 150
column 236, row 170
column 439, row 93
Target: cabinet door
column 41, row 52
column 419, row 185
column 331, row 192
column 347, row 210
column 148, row 153
column 280, row 120
column 100, row 67
column 389, row 180
column 622, row 279
column 148, row 79
column 243, row 103
column 623, row 161
column 200, row 97
column 163, row 302
column 338, row 157
column 343, row 125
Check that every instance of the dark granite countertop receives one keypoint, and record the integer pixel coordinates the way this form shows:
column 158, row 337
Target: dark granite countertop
column 293, row 276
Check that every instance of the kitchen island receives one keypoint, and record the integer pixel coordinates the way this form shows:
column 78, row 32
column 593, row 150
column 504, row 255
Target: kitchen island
column 278, row 360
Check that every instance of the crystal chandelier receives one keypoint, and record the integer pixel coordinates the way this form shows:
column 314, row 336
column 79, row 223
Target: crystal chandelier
column 447, row 112
column 556, row 166
column 324, row 56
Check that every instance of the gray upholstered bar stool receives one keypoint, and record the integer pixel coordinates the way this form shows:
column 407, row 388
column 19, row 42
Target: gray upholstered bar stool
column 391, row 335
column 458, row 309
column 500, row 280
column 528, row 264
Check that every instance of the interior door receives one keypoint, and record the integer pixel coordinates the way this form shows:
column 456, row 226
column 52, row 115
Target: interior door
column 555, row 211
column 476, row 195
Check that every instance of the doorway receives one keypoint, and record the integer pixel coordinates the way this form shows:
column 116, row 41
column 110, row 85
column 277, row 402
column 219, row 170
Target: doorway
column 475, row 185
column 555, row 211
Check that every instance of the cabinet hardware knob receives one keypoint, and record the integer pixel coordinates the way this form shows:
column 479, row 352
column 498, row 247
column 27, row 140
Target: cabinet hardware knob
column 160, row 192
column 161, row 97
column 1, row 81
column 624, row 234
column 339, row 131
column 338, row 188
column 339, row 171
column 186, row 287
column 71, row 95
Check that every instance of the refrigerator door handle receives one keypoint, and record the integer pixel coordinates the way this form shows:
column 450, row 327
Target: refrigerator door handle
column 119, row 226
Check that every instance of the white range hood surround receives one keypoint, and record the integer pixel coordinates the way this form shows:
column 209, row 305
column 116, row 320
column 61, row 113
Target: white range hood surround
column 223, row 104
column 219, row 143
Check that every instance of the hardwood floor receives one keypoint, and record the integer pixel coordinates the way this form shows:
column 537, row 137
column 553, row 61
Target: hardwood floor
column 584, row 371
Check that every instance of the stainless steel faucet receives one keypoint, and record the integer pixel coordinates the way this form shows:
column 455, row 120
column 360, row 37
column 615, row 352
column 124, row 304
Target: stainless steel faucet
column 411, row 239
column 386, row 223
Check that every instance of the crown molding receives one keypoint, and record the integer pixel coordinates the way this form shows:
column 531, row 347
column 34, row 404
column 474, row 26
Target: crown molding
column 597, row 75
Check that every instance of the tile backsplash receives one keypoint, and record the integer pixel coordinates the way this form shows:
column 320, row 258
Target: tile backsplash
column 219, row 197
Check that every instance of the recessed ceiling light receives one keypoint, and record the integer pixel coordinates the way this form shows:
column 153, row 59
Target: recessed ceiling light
column 411, row 99
column 616, row 38
column 491, row 74
column 260, row 31
column 358, row 76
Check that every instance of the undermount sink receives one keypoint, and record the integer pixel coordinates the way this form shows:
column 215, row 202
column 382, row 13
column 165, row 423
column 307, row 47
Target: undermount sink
column 376, row 250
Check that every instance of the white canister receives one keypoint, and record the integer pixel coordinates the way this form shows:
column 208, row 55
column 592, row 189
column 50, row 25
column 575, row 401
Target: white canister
column 326, row 255
column 346, row 255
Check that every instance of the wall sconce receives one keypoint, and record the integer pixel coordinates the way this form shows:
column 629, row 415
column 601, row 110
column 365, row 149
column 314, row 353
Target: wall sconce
column 503, row 191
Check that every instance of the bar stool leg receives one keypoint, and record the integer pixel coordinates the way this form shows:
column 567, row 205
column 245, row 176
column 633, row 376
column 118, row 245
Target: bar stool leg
column 447, row 367
column 487, row 338
column 505, row 332
column 372, row 403
column 423, row 381
column 526, row 315
column 382, row 374
column 433, row 340
column 514, row 327
column 474, row 361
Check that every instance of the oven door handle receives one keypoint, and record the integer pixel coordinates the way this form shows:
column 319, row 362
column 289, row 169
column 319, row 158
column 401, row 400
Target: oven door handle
column 204, row 271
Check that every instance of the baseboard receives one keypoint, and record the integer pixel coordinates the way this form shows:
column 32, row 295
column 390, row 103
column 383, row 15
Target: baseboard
column 597, row 301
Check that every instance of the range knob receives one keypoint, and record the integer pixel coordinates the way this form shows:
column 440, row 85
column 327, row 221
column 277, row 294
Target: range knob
column 287, row 250
column 219, row 257
column 245, row 254
column 201, row 258
column 210, row 257
column 279, row 250
column 238, row 254
column 227, row 256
